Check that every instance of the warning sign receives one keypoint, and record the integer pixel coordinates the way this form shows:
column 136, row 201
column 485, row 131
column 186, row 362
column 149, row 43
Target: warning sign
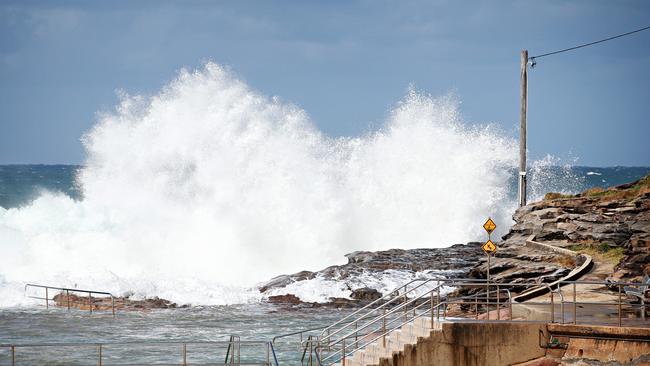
column 489, row 247
column 489, row 226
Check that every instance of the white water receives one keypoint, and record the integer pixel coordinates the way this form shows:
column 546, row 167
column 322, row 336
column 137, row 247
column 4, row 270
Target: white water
column 207, row 188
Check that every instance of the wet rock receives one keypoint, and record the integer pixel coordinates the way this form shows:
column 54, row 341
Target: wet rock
column 366, row 293
column 284, row 299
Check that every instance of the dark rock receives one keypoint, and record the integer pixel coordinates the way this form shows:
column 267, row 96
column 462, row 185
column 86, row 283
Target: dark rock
column 284, row 299
column 366, row 293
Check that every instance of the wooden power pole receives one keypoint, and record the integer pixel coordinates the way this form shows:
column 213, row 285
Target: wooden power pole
column 522, row 129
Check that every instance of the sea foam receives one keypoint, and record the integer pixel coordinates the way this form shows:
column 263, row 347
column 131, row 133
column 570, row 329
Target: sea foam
column 207, row 188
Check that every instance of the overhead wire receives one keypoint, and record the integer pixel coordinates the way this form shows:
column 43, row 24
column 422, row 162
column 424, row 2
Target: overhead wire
column 533, row 58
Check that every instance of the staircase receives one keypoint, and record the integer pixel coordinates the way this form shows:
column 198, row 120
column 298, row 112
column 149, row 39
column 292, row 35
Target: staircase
column 396, row 340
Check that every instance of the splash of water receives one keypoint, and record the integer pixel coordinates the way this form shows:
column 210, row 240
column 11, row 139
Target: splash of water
column 208, row 188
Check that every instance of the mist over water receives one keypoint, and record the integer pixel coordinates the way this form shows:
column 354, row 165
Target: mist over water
column 200, row 192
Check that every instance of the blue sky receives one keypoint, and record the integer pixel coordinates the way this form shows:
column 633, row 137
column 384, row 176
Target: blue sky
column 345, row 63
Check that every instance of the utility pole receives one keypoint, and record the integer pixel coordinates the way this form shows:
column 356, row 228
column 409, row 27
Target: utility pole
column 522, row 128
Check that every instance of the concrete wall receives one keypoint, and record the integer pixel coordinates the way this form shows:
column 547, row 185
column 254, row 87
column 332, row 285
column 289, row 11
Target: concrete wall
column 478, row 344
column 474, row 344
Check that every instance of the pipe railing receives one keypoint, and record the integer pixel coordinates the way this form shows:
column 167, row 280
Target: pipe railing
column 381, row 325
column 67, row 291
column 233, row 345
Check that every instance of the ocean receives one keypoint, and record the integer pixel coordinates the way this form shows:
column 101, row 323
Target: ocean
column 202, row 192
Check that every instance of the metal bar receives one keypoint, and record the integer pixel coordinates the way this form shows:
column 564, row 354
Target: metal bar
column 184, row 354
column 113, row 305
column 356, row 335
column 90, row 302
column 311, row 350
column 99, row 352
column 67, row 296
column 476, row 305
column 552, row 307
column 575, row 305
column 383, row 328
column 619, row 306
column 47, row 302
column 437, row 304
column 432, row 307
column 343, row 353
column 13, row 355
column 498, row 309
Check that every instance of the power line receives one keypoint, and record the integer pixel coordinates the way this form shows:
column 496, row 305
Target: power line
column 532, row 59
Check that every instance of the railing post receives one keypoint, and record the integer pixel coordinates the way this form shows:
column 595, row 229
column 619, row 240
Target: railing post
column 575, row 305
column 13, row 355
column 343, row 353
column 329, row 348
column 406, row 316
column 67, row 296
column 383, row 327
column 311, row 350
column 90, row 302
column 47, row 303
column 431, row 309
column 437, row 304
column 498, row 301
column 476, row 305
column 99, row 353
column 113, row 305
column 552, row 307
column 356, row 335
column 184, row 354
column 620, row 322
column 510, row 305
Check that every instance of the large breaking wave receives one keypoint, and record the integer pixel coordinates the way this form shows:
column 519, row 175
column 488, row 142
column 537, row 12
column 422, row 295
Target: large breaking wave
column 201, row 191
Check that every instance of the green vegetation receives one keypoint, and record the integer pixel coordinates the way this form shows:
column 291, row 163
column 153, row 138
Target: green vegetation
column 554, row 196
column 600, row 251
column 642, row 186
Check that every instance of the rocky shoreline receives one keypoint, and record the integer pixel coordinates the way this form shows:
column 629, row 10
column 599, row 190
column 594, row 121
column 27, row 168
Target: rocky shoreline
column 611, row 224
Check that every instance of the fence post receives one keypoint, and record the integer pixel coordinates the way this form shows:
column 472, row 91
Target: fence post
column 552, row 308
column 67, row 296
column 90, row 302
column 619, row 306
column 13, row 355
column 184, row 354
column 437, row 304
column 383, row 327
column 431, row 309
column 47, row 303
column 575, row 305
column 99, row 352
column 498, row 301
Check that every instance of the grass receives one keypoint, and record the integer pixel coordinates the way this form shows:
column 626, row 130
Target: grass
column 640, row 187
column 600, row 251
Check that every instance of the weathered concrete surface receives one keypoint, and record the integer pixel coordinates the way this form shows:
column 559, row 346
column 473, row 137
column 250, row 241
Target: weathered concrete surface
column 473, row 344
column 521, row 344
column 593, row 345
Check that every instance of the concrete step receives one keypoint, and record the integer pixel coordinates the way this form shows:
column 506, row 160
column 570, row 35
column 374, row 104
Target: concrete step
column 395, row 342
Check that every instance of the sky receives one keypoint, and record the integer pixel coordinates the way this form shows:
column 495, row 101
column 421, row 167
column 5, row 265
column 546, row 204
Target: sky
column 347, row 63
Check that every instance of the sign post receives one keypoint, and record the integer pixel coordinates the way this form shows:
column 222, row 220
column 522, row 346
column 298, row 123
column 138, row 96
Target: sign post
column 489, row 248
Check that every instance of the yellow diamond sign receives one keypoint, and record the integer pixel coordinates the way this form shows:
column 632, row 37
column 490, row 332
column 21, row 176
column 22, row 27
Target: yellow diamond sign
column 489, row 226
column 489, row 247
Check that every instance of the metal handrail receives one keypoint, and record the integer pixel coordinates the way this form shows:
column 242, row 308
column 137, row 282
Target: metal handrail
column 67, row 294
column 269, row 360
column 393, row 299
column 390, row 294
column 385, row 318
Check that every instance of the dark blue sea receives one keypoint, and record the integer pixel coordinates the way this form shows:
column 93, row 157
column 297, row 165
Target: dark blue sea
column 20, row 184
